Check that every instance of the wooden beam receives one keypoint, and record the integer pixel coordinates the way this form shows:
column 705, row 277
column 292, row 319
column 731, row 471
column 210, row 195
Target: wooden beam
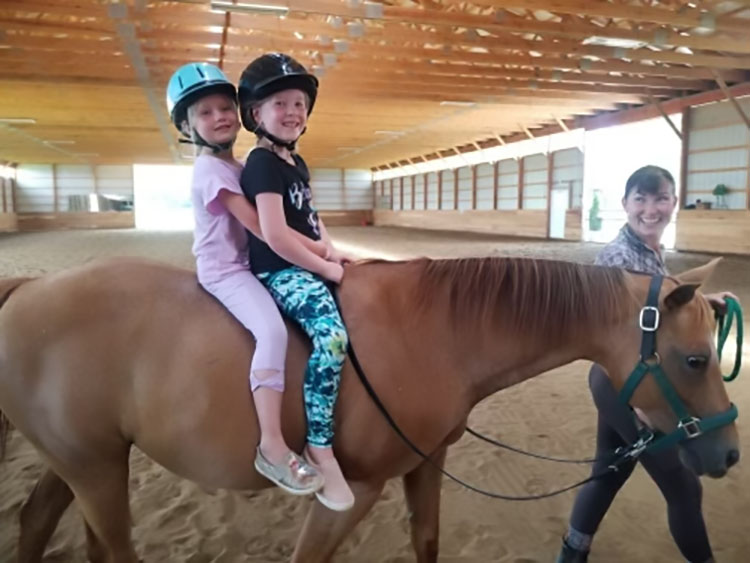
column 223, row 44
column 96, row 178
column 488, row 23
column 684, row 154
column 666, row 117
column 401, row 192
column 495, row 183
column 392, row 30
column 440, row 189
column 14, row 189
column 728, row 93
column 343, row 188
column 562, row 124
column 455, row 188
column 550, row 181
column 629, row 12
column 669, row 106
column 474, row 186
column 55, row 198
column 520, row 182
column 526, row 131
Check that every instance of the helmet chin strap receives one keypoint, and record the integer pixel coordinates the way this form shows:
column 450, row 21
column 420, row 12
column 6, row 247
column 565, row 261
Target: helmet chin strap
column 289, row 145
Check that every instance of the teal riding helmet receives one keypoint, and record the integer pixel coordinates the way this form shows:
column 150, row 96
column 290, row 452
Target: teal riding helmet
column 191, row 82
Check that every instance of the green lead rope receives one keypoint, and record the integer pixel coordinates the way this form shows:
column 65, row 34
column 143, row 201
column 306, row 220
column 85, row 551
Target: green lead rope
column 734, row 313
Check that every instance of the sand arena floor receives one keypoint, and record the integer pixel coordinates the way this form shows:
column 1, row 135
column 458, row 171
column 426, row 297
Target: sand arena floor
column 177, row 521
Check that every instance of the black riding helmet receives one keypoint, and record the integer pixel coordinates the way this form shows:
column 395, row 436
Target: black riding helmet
column 267, row 75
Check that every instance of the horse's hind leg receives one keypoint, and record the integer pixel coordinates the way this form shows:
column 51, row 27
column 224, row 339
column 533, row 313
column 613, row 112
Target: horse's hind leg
column 101, row 491
column 422, row 488
column 324, row 529
column 40, row 514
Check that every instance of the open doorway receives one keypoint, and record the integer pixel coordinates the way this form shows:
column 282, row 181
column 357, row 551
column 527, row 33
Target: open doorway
column 162, row 197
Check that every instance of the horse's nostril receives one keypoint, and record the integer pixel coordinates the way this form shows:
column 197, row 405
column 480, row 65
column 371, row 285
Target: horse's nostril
column 733, row 456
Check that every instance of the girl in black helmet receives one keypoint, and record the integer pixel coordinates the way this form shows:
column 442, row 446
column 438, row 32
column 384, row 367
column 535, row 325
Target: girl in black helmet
column 276, row 96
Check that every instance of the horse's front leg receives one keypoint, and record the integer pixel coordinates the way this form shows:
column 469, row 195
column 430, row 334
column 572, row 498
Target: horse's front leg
column 324, row 529
column 40, row 515
column 422, row 488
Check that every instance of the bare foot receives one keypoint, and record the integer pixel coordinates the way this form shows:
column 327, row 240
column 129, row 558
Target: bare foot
column 335, row 494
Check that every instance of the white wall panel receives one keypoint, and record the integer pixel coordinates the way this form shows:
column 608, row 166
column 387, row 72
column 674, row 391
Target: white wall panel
column 464, row 188
column 432, row 190
column 338, row 189
column 485, row 185
column 419, row 191
column 535, row 182
column 568, row 171
column 448, row 184
column 718, row 153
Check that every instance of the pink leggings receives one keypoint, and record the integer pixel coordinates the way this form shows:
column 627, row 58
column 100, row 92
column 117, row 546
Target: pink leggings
column 251, row 304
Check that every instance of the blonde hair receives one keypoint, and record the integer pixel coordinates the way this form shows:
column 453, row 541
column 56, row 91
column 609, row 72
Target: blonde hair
column 190, row 117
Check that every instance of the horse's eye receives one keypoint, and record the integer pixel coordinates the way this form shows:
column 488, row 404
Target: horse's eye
column 696, row 362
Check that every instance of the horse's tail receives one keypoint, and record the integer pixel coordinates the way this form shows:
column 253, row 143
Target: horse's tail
column 7, row 286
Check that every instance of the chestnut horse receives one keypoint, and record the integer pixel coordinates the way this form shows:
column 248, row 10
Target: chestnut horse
column 99, row 358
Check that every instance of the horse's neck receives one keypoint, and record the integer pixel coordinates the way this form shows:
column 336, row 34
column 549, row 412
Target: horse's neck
column 465, row 357
column 502, row 356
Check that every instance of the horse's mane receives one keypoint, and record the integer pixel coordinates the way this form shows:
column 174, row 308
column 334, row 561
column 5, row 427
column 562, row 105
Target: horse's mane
column 543, row 297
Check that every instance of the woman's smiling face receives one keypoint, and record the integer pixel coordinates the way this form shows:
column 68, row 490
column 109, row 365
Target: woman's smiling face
column 650, row 213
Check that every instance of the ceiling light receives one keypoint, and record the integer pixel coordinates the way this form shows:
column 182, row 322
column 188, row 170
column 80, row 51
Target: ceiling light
column 373, row 10
column 614, row 42
column 340, row 45
column 355, row 29
column 249, row 8
column 60, row 142
column 18, row 120
column 298, row 35
column 457, row 103
column 388, row 132
column 85, row 154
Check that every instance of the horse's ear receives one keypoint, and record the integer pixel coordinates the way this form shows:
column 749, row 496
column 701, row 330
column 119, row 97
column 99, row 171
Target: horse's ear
column 700, row 274
column 680, row 295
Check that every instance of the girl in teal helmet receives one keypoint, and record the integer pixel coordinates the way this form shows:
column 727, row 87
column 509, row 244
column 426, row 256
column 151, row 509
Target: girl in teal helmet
column 276, row 97
column 202, row 105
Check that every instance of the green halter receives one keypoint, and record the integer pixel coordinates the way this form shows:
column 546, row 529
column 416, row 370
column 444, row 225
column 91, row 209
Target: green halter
column 689, row 426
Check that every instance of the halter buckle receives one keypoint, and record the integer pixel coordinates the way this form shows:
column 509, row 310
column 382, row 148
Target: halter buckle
column 691, row 426
column 643, row 320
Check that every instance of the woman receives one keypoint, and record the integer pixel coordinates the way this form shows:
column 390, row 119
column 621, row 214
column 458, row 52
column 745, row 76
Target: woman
column 649, row 202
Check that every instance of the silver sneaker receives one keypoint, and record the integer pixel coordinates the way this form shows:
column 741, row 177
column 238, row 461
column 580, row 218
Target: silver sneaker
column 294, row 474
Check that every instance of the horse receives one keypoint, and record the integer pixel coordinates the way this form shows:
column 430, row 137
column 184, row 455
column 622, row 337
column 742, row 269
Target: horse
column 100, row 358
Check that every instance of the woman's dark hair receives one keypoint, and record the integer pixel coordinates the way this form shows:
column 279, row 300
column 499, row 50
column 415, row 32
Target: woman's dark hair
column 648, row 180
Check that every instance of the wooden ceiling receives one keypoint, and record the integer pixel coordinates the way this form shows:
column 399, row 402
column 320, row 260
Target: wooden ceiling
column 399, row 80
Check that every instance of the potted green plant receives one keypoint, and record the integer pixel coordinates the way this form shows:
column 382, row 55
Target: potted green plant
column 720, row 191
column 595, row 221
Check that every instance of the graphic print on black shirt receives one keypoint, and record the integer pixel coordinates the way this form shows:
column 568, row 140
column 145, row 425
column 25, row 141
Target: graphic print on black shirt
column 265, row 172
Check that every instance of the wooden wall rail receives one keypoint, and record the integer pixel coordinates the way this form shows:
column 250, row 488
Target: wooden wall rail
column 717, row 231
column 65, row 221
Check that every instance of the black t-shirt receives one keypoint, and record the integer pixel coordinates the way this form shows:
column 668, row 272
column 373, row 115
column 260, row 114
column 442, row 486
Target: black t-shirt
column 265, row 172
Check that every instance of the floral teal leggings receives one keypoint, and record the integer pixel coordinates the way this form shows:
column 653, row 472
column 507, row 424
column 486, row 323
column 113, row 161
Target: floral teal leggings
column 305, row 298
